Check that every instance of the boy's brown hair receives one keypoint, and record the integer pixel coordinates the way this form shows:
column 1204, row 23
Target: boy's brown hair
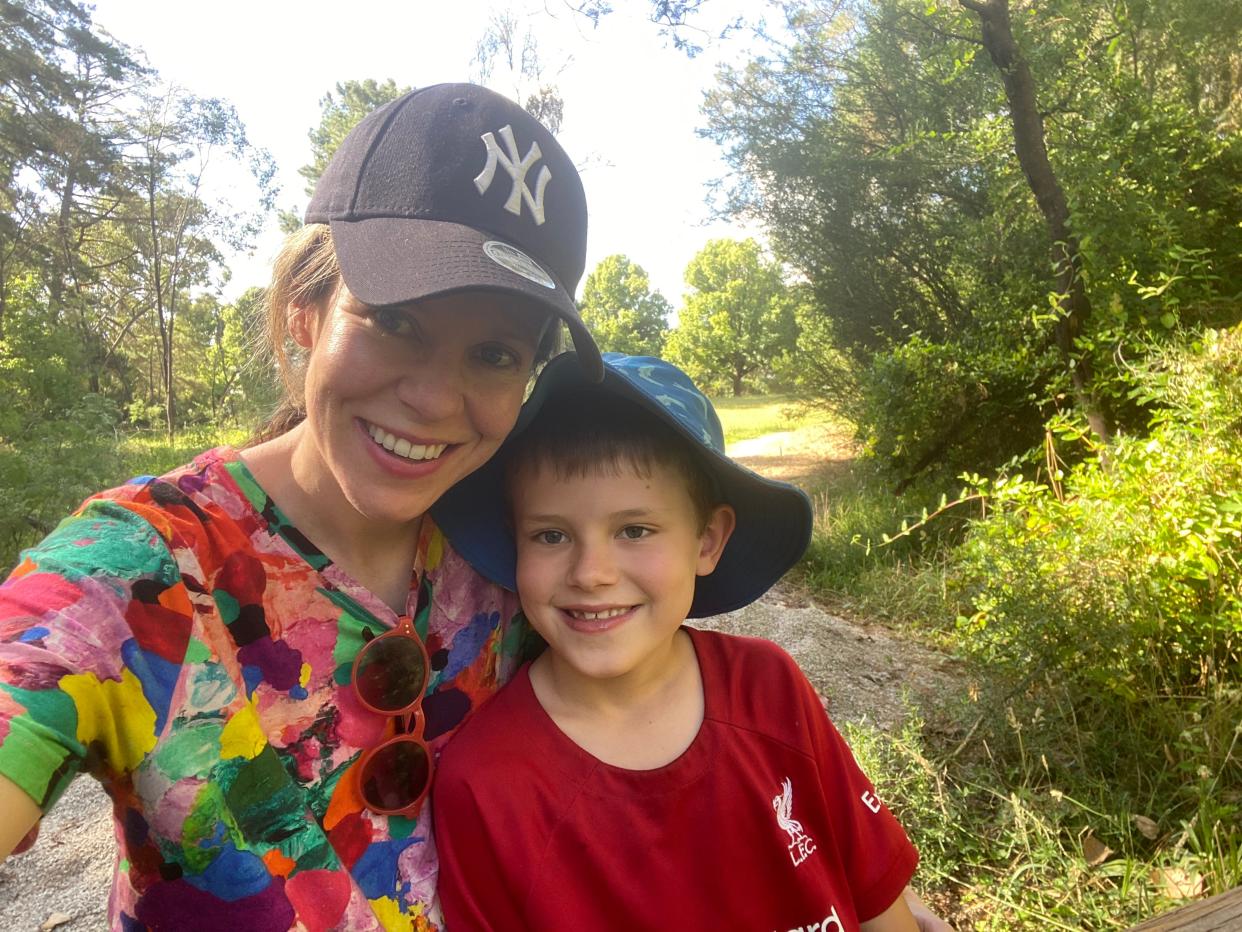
column 594, row 433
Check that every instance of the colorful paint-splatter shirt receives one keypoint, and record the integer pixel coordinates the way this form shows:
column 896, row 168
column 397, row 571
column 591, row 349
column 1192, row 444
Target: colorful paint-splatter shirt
column 181, row 641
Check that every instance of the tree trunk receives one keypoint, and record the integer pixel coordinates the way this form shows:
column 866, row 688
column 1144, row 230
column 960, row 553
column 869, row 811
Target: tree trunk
column 1028, row 140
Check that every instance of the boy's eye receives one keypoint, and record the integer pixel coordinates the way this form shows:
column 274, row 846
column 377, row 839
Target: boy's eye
column 635, row 532
column 550, row 537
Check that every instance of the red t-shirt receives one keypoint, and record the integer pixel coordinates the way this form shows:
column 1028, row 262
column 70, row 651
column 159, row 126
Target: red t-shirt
column 765, row 822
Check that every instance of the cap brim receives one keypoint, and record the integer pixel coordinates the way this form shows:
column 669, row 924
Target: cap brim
column 774, row 519
column 392, row 260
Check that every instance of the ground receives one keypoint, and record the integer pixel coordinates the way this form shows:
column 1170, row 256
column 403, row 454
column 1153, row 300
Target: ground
column 865, row 672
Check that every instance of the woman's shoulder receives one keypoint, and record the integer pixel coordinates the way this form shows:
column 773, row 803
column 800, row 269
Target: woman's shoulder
column 134, row 528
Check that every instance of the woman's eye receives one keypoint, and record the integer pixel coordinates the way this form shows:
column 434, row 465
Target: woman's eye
column 498, row 357
column 550, row 537
column 635, row 532
column 393, row 321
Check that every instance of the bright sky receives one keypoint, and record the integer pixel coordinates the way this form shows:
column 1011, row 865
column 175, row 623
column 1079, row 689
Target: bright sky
column 631, row 99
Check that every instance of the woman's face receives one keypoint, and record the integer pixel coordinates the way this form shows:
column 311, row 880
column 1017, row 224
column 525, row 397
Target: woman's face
column 403, row 402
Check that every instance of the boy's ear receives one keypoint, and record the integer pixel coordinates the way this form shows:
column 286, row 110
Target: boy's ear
column 715, row 535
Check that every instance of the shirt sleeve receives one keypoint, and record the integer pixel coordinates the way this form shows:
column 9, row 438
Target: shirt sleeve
column 476, row 893
column 94, row 623
column 879, row 858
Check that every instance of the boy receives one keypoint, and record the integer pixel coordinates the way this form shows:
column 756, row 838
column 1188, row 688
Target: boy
column 641, row 774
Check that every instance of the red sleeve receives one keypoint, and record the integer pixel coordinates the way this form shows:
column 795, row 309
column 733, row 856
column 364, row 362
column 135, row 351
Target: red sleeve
column 475, row 891
column 879, row 859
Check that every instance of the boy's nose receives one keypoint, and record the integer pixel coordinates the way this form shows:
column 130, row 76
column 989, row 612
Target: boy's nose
column 592, row 566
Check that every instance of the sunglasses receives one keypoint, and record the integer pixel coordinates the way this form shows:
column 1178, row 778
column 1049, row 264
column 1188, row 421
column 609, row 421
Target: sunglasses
column 389, row 676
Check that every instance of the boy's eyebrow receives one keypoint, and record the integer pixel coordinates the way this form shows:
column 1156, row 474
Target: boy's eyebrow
column 624, row 514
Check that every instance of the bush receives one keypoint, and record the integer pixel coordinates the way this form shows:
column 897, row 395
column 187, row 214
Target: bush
column 1107, row 607
column 50, row 468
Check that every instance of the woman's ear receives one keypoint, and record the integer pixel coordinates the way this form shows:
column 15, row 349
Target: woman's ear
column 716, row 534
column 302, row 321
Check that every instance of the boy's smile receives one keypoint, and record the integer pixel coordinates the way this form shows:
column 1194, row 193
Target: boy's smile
column 606, row 568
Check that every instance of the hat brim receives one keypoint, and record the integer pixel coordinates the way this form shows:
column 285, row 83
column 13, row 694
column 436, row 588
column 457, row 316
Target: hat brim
column 393, row 260
column 774, row 519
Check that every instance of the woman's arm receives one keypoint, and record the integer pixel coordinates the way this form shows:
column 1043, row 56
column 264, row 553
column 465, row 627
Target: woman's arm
column 20, row 816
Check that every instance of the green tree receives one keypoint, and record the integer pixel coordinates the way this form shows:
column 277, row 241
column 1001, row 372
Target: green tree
column 341, row 110
column 737, row 325
column 60, row 137
column 175, row 230
column 895, row 170
column 622, row 311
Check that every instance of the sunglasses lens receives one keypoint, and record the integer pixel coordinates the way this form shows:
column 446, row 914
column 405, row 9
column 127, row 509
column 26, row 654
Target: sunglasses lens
column 396, row 776
column 391, row 673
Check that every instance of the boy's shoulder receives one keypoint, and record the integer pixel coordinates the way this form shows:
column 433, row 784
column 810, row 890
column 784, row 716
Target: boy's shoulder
column 506, row 731
column 746, row 658
column 755, row 685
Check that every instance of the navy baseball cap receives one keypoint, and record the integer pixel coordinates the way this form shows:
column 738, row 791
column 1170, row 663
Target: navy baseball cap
column 774, row 518
column 453, row 188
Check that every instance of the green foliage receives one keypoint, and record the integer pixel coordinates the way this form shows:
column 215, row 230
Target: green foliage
column 1107, row 602
column 1141, row 547
column 341, row 110
column 738, row 324
column 875, row 146
column 1097, row 769
column 621, row 311
column 56, row 465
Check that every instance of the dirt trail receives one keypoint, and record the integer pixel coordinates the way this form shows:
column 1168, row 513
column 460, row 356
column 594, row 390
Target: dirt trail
column 864, row 672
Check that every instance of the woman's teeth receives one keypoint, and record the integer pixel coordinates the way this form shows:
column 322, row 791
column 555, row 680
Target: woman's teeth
column 599, row 616
column 403, row 447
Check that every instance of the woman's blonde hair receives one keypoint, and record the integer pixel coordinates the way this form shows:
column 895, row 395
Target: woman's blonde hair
column 305, row 274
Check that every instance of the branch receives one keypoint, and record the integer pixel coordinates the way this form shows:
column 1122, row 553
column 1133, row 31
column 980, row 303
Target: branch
column 936, row 30
column 982, row 8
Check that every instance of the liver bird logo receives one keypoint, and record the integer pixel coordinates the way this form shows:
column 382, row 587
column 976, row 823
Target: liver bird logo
column 783, row 804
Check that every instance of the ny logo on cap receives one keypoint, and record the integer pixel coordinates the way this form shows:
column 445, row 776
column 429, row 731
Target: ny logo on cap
column 517, row 171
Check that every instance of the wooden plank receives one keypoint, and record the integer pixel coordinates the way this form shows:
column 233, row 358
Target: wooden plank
column 1222, row 912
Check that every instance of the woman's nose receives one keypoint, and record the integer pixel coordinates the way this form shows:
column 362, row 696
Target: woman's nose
column 433, row 387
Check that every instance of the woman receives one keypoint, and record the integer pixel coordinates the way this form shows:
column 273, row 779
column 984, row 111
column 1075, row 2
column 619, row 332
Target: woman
column 197, row 641
column 185, row 641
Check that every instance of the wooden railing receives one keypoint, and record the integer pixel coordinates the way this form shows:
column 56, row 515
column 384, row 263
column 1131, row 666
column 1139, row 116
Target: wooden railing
column 1222, row 912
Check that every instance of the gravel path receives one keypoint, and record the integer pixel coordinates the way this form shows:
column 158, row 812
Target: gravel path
column 863, row 671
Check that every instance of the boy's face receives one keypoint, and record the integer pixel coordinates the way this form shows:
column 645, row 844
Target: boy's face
column 606, row 566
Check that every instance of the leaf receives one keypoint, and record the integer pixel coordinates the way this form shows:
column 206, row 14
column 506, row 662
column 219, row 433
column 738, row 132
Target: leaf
column 1177, row 884
column 1147, row 827
column 1169, row 320
column 1094, row 851
column 55, row 920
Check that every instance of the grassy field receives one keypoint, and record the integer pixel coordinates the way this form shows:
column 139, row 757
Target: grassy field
column 755, row 415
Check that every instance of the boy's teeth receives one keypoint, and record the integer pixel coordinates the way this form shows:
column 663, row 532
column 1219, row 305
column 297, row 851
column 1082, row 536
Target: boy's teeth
column 596, row 616
column 403, row 447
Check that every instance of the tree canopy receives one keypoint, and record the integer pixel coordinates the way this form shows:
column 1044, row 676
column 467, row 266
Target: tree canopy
column 877, row 147
column 622, row 311
column 737, row 325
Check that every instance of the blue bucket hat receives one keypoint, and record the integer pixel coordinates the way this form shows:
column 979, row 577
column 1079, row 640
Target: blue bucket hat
column 773, row 518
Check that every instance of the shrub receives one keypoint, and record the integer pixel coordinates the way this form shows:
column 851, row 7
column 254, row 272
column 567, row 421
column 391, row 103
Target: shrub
column 1107, row 606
